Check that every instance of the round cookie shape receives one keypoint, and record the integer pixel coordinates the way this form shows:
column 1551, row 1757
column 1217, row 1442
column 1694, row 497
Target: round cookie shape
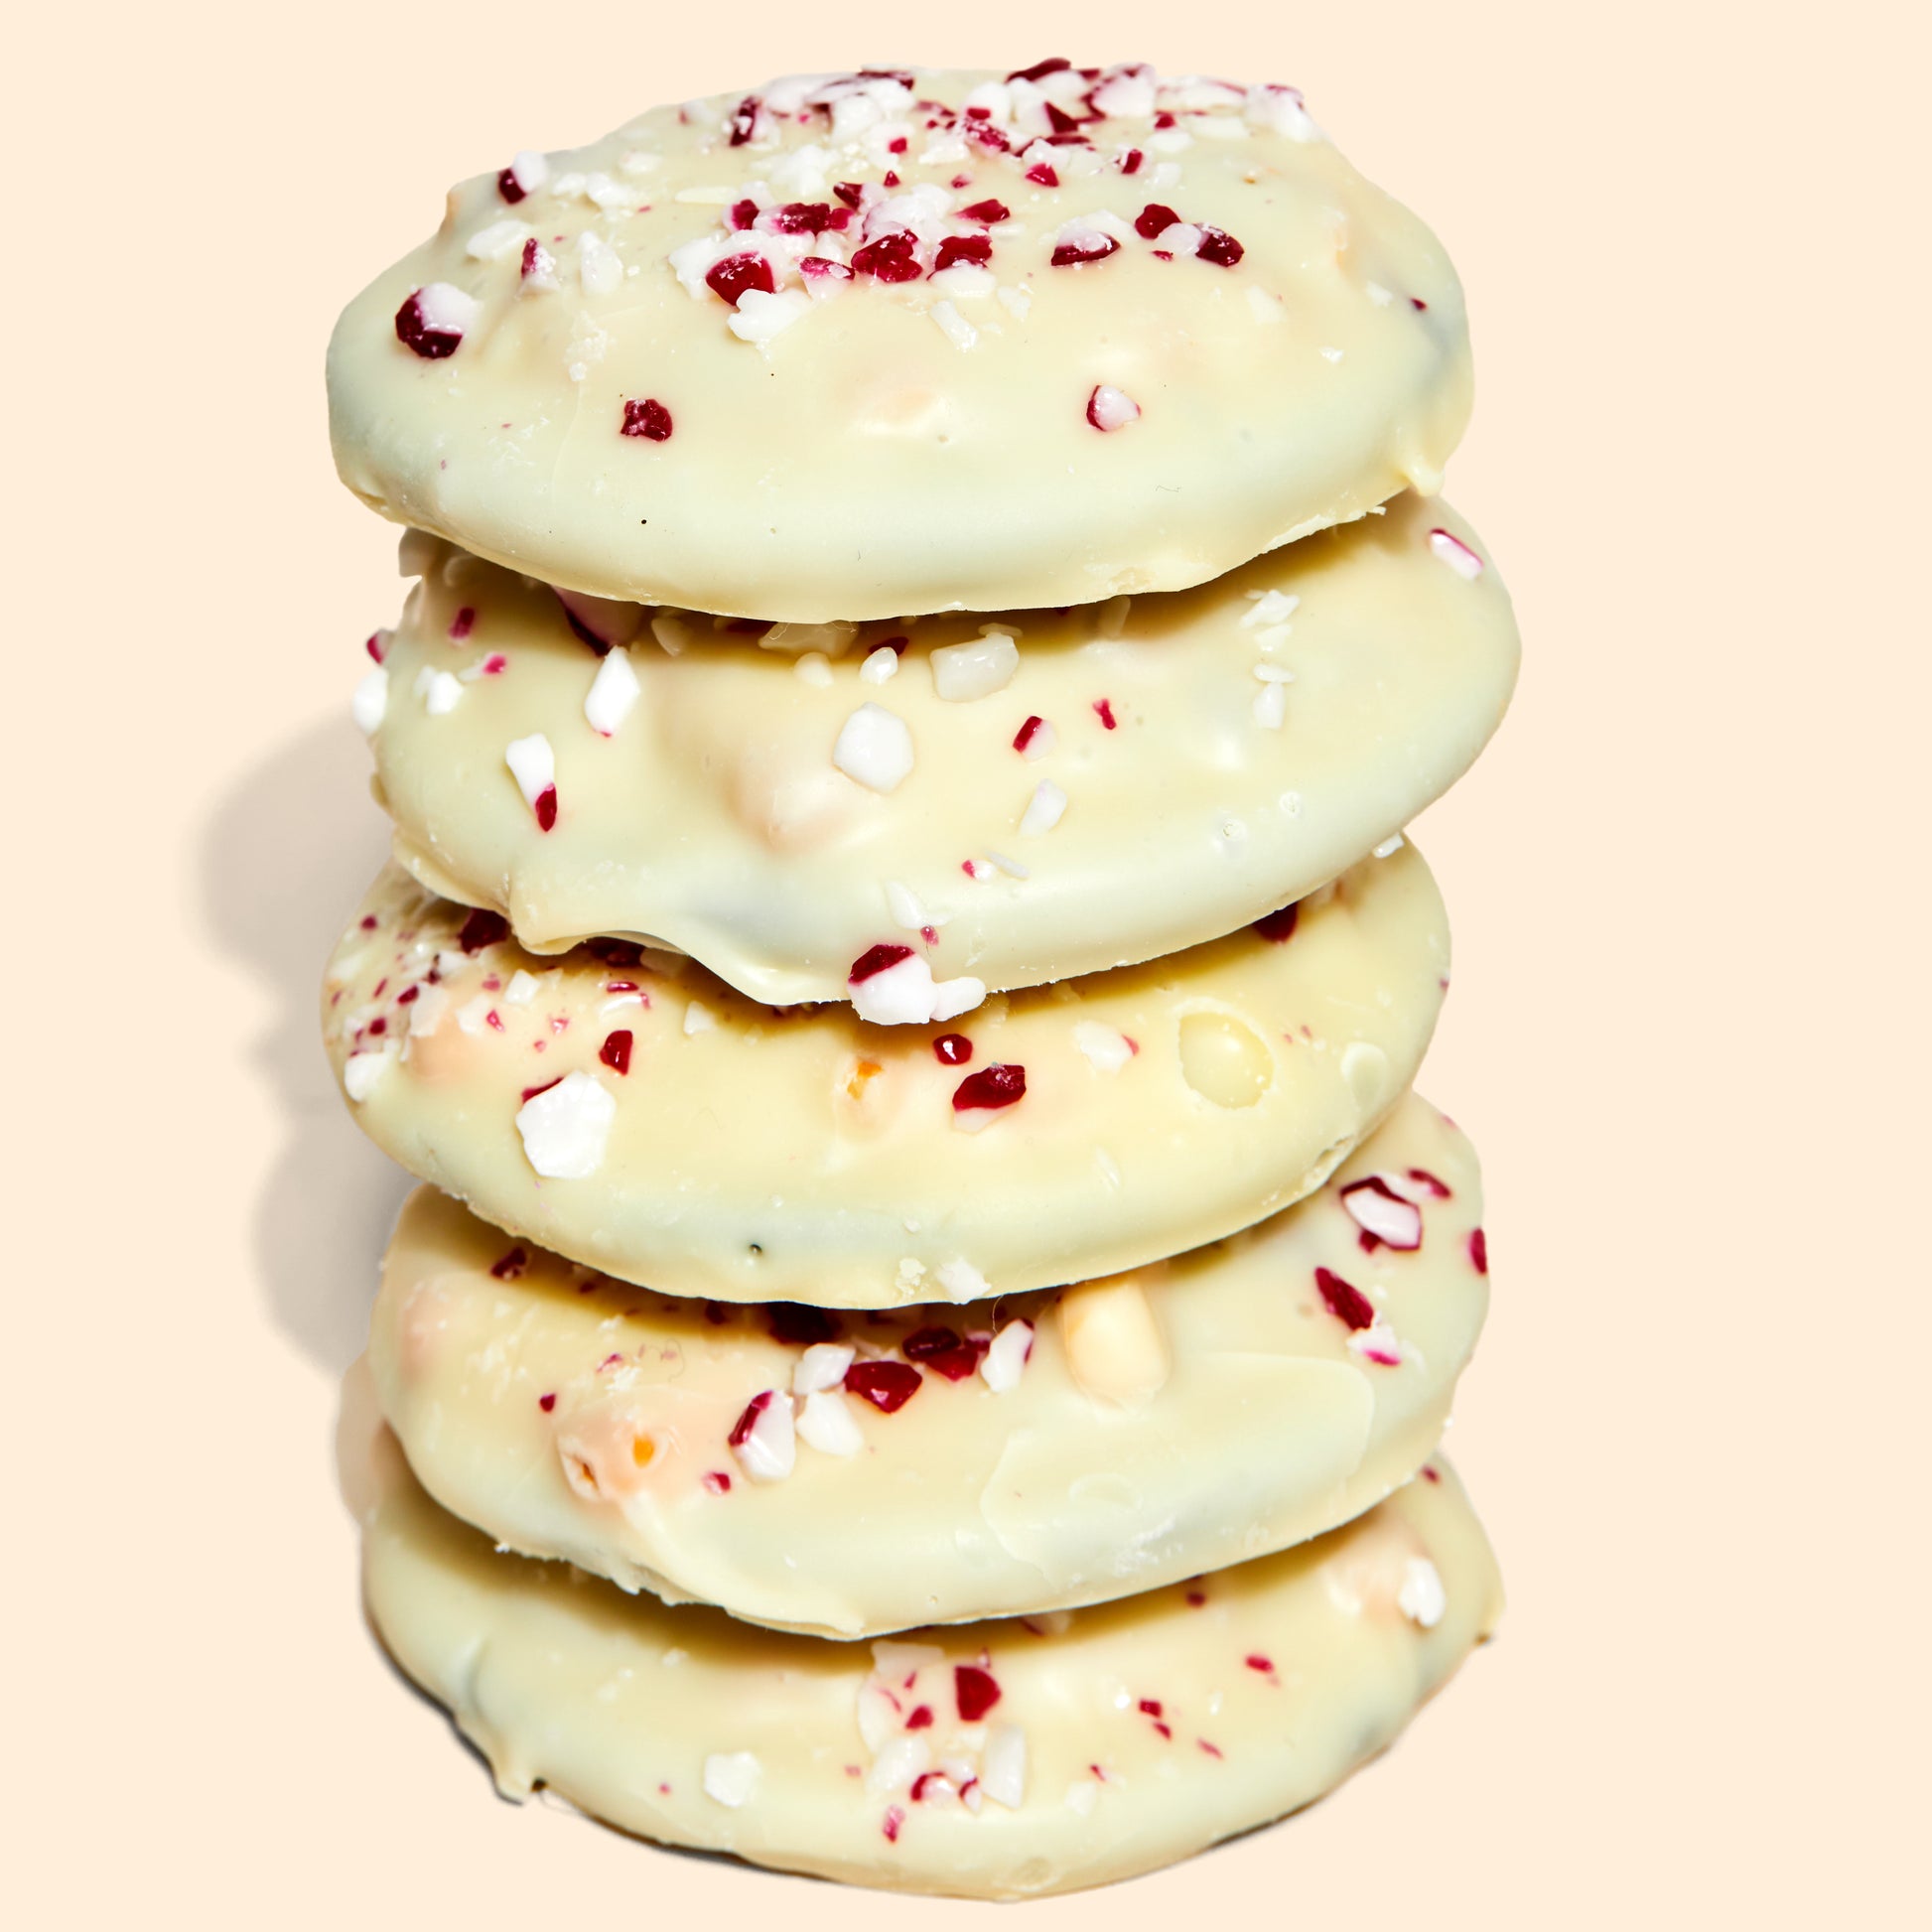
column 855, row 347
column 988, row 1761
column 851, row 1477
column 1074, row 789
column 631, row 1112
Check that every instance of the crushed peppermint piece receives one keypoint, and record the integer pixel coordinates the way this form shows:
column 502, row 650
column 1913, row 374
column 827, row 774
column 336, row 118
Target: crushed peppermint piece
column 566, row 1126
column 434, row 319
column 731, row 1778
column 893, row 986
column 826, row 1423
column 953, row 326
column 1033, row 739
column 879, row 665
column 615, row 1051
column 1479, row 1251
column 1388, row 848
column 822, row 1366
column 370, row 701
column 648, row 419
column 974, row 1691
column 1106, row 1048
column 613, row 694
column 888, row 1386
column 981, row 1097
column 1280, row 926
column 500, row 239
column 977, row 668
column 362, row 1071
column 759, row 316
column 522, row 988
column 1109, row 408
column 963, row 1282
column 1003, row 1766
column 1045, row 809
column 440, row 691
column 1081, row 242
column 952, row 1049
column 599, row 266
column 1008, row 1354
column 1346, row 1302
column 533, row 765
column 1422, row 1599
column 763, row 1438
column 1457, row 554
column 698, row 1019
column 874, row 748
column 483, row 927
column 731, row 277
column 1384, row 1217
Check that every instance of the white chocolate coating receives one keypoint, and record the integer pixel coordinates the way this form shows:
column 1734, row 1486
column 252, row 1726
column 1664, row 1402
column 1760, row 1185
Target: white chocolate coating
column 572, row 1417
column 1122, row 1737
column 1270, row 727
column 756, row 1155
column 866, row 447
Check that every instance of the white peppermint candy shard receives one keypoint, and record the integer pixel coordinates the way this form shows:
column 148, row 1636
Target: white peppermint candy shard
column 904, row 994
column 1457, row 554
column 1045, row 809
column 977, row 669
column 370, row 701
column 874, row 748
column 598, row 264
column 762, row 1440
column 821, row 1366
column 827, row 1424
column 731, row 1777
column 565, row 1128
column 1378, row 1209
column 533, row 765
column 1422, row 1600
column 530, row 170
column 1001, row 1365
column 1109, row 408
column 1107, row 1050
column 613, row 693
column 362, row 1071
column 1003, row 1766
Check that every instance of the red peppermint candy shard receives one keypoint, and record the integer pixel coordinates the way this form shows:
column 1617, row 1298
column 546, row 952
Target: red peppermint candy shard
column 1155, row 219
column 742, row 1427
column 615, row 1051
column 975, row 1692
column 1280, row 926
column 891, row 258
column 1041, row 69
column 546, row 809
column 1479, row 1251
column 416, row 329
column 877, row 959
column 1219, row 248
column 943, row 1350
column 508, row 186
column 1346, row 1302
column 992, row 212
column 733, row 277
column 952, row 1049
column 1041, row 175
column 743, row 214
column 962, row 248
column 849, row 191
column 997, row 1085
column 482, row 928
column 807, row 217
column 1092, row 247
column 744, row 121
column 508, row 1268
column 886, row 1385
column 1103, row 709
column 649, row 418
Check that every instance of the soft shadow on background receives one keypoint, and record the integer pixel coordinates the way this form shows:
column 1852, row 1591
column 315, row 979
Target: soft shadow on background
column 284, row 859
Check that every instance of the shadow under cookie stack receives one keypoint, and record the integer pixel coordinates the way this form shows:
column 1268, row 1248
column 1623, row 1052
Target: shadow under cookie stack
column 921, row 1354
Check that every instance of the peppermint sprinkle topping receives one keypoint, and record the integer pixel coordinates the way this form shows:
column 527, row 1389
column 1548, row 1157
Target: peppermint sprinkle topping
column 370, row 701
column 761, row 1437
column 435, row 318
column 1010, row 1349
column 1045, row 809
column 1384, row 1217
column 648, row 419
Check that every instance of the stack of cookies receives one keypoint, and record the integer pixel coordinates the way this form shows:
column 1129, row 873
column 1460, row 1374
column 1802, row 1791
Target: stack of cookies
column 921, row 1353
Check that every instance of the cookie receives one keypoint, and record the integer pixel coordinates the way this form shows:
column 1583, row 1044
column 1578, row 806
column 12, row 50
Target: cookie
column 1050, row 795
column 988, row 1761
column 631, row 1112
column 856, row 347
column 854, row 1476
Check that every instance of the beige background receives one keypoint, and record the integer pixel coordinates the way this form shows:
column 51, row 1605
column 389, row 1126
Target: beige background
column 1688, row 1027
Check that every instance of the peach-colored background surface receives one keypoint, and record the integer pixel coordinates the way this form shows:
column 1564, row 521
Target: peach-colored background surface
column 1688, row 1027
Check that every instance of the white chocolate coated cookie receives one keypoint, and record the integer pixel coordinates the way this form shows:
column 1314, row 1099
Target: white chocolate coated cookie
column 1070, row 790
column 1003, row 1759
column 860, row 346
column 631, row 1112
column 852, row 1477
